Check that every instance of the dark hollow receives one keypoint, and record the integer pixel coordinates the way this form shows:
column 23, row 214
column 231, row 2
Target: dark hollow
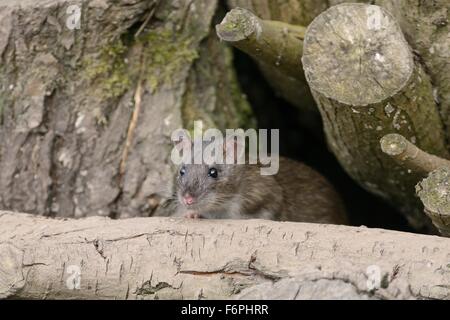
column 302, row 142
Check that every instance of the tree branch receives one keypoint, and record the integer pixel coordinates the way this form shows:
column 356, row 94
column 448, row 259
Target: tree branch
column 409, row 155
column 433, row 191
column 275, row 43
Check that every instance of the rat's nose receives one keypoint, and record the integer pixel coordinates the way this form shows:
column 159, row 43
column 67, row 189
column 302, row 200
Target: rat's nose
column 188, row 199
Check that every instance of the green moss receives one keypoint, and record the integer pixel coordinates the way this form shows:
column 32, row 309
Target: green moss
column 160, row 55
column 114, row 69
column 148, row 289
column 165, row 54
column 110, row 70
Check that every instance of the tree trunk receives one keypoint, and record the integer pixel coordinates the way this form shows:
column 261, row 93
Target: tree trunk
column 86, row 114
column 164, row 258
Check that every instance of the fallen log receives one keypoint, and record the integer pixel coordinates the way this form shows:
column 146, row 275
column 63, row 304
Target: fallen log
column 166, row 258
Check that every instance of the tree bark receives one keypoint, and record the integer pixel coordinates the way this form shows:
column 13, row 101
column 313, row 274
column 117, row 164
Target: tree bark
column 164, row 258
column 77, row 137
column 366, row 84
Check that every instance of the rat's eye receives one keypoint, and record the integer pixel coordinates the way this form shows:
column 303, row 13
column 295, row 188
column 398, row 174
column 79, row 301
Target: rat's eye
column 182, row 171
column 212, row 172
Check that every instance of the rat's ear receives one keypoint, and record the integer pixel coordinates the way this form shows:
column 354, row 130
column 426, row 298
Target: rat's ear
column 233, row 150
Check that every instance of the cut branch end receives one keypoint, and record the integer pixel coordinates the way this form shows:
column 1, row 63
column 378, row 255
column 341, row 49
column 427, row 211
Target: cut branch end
column 237, row 25
column 273, row 43
column 434, row 192
column 410, row 156
column 393, row 144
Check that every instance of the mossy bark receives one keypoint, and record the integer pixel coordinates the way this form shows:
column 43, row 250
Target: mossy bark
column 72, row 140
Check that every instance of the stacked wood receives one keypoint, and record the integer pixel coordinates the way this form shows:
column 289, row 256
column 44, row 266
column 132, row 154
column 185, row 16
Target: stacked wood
column 366, row 82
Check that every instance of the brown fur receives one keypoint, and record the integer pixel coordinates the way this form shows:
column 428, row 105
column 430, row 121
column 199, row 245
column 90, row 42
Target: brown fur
column 295, row 193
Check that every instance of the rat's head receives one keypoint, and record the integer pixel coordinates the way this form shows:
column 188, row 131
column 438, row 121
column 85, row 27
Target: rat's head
column 208, row 186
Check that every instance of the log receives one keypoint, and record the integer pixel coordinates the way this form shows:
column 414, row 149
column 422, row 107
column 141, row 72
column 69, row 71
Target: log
column 425, row 25
column 167, row 258
column 367, row 84
column 86, row 114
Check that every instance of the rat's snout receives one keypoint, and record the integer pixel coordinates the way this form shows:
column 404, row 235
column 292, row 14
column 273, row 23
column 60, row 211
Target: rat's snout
column 188, row 199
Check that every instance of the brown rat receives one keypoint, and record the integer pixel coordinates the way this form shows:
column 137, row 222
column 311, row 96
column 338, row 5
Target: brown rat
column 239, row 191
